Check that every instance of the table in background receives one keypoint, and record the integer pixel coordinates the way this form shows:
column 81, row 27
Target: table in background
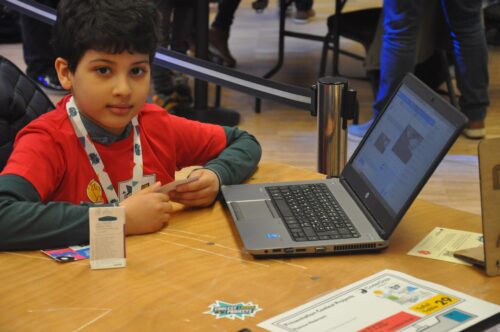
column 173, row 276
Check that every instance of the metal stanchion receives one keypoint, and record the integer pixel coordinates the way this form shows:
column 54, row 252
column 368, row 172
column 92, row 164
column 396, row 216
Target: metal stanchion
column 334, row 106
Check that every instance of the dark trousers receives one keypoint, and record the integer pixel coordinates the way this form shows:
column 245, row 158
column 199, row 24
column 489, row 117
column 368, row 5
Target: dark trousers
column 225, row 14
column 37, row 51
column 303, row 5
column 177, row 29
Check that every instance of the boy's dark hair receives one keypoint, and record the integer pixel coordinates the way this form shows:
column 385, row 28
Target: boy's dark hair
column 112, row 26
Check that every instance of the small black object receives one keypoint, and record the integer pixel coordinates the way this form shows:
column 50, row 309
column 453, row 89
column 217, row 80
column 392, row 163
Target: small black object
column 260, row 5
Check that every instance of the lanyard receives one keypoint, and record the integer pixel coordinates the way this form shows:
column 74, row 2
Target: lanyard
column 96, row 161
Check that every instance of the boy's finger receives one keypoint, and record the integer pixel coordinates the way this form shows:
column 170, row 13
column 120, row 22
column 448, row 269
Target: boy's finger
column 193, row 186
column 152, row 188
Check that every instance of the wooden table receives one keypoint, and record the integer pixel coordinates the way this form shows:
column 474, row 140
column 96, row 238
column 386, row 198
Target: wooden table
column 172, row 277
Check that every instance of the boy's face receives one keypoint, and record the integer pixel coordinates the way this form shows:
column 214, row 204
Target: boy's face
column 109, row 89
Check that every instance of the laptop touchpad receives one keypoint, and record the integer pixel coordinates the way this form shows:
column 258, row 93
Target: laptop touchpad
column 252, row 210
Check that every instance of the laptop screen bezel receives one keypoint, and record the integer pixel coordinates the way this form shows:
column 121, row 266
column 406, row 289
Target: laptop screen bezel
column 366, row 194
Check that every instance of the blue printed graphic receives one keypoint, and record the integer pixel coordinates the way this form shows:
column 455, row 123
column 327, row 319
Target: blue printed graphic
column 458, row 316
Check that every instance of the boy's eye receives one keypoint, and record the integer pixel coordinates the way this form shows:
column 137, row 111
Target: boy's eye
column 137, row 71
column 103, row 70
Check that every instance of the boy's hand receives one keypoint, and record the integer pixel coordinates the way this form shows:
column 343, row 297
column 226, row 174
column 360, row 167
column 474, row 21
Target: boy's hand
column 201, row 192
column 146, row 211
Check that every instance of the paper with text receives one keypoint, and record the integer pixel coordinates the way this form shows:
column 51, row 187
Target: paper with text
column 386, row 301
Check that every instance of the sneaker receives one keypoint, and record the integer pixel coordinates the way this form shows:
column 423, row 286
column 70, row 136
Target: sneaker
column 303, row 16
column 217, row 44
column 475, row 129
column 359, row 130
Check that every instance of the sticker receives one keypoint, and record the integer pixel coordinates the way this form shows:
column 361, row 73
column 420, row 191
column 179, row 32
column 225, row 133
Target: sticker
column 273, row 236
column 94, row 192
column 434, row 304
column 221, row 309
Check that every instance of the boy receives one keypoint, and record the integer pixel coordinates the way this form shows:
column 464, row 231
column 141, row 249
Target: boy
column 103, row 143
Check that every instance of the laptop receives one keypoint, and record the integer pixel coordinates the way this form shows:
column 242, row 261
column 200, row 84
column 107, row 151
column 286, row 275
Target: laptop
column 488, row 255
column 360, row 209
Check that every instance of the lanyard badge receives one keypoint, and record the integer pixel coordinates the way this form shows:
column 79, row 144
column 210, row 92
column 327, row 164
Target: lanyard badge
column 96, row 161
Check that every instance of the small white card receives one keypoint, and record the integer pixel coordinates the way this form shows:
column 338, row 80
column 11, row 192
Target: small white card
column 173, row 185
column 441, row 243
column 107, row 237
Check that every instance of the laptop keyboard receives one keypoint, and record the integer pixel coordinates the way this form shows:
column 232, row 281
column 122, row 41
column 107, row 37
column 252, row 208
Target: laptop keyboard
column 311, row 212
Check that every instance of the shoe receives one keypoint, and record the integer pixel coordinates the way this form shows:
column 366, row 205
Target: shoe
column 217, row 44
column 359, row 130
column 48, row 80
column 303, row 16
column 475, row 129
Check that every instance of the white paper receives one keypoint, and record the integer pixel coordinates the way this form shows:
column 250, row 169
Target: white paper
column 441, row 243
column 107, row 237
column 386, row 301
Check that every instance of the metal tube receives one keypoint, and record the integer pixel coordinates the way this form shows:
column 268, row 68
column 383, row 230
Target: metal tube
column 332, row 138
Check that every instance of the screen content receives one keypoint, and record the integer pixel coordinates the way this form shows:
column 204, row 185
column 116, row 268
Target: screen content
column 406, row 140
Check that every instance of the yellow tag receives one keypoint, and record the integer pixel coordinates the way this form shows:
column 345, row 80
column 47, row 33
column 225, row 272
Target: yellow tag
column 434, row 304
column 94, row 192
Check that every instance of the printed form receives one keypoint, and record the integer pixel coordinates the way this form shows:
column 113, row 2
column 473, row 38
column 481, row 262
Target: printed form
column 386, row 301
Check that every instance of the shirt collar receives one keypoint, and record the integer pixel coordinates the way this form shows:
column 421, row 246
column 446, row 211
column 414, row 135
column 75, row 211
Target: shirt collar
column 101, row 135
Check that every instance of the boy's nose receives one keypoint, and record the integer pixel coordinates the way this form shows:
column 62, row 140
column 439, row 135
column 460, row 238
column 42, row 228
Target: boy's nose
column 122, row 86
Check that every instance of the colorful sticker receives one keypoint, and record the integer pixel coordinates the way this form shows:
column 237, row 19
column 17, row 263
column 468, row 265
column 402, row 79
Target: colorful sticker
column 434, row 304
column 221, row 309
column 94, row 192
column 70, row 254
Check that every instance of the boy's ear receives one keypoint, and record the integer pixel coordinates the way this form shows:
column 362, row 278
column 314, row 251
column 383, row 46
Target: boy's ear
column 63, row 73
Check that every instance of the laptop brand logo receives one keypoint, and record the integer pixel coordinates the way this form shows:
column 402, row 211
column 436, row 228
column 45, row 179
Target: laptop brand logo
column 496, row 177
column 367, row 195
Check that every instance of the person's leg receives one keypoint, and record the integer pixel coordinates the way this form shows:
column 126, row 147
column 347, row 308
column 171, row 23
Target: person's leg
column 182, row 26
column 225, row 15
column 303, row 5
column 304, row 11
column 171, row 88
column 397, row 57
column 219, row 32
column 471, row 59
column 37, row 51
column 162, row 77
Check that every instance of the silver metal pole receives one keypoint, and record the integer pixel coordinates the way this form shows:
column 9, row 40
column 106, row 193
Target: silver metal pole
column 332, row 137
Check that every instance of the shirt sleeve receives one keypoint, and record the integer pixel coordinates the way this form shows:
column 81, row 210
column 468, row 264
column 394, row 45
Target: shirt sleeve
column 38, row 158
column 28, row 224
column 239, row 159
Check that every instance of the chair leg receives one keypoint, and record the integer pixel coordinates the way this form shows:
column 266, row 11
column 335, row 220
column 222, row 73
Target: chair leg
column 324, row 56
column 446, row 73
column 217, row 96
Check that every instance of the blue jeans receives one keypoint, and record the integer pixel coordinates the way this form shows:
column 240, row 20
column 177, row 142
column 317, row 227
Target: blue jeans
column 401, row 19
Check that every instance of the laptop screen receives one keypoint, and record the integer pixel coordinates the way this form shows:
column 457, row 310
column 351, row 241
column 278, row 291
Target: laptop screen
column 400, row 152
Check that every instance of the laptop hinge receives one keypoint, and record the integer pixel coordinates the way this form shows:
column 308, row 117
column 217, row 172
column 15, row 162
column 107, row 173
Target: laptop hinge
column 378, row 228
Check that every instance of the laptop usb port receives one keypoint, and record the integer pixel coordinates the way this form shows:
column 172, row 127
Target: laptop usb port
column 320, row 249
column 276, row 250
column 301, row 250
column 288, row 250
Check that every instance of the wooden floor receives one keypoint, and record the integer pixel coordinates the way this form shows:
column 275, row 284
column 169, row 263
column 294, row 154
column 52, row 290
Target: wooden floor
column 289, row 135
